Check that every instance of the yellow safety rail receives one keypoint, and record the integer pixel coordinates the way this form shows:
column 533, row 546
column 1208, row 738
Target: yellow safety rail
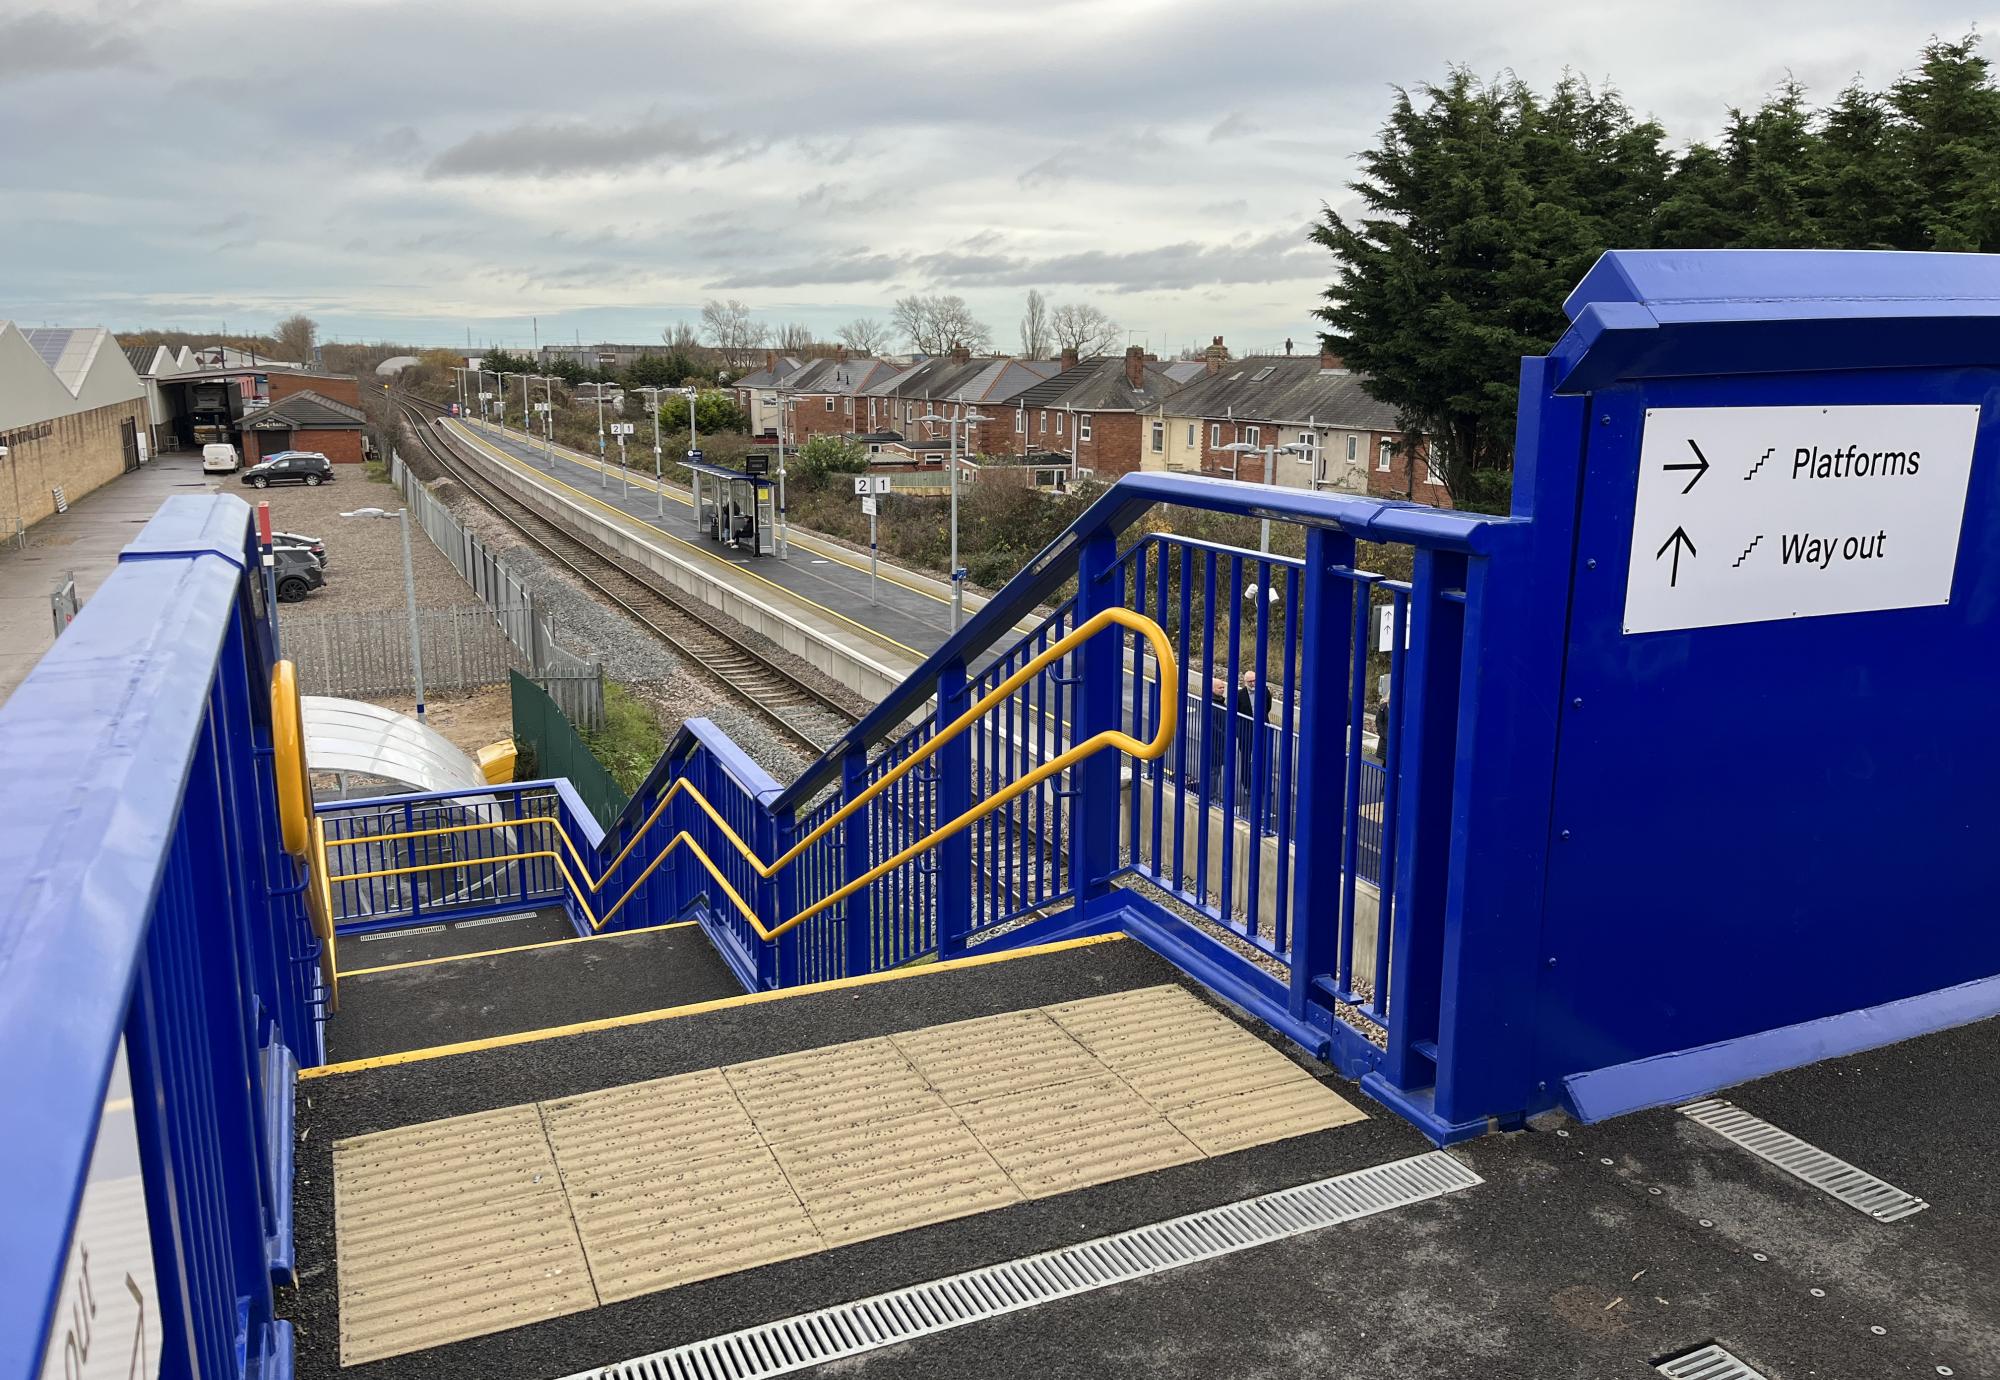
column 1169, row 680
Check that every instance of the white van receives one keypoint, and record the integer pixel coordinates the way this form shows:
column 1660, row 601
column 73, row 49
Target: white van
column 220, row 458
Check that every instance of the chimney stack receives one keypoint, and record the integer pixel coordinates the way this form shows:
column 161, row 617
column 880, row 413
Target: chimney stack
column 840, row 354
column 1135, row 366
column 961, row 354
column 770, row 361
column 1329, row 360
column 1068, row 360
column 1217, row 353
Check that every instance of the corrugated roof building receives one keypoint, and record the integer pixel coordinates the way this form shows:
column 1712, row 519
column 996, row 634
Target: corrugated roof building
column 72, row 418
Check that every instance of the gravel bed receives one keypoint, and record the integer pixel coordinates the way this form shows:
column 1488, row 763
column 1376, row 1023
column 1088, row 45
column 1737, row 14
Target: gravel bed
column 584, row 624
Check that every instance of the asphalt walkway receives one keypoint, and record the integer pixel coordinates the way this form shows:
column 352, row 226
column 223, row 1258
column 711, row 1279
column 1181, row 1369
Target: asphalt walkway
column 86, row 540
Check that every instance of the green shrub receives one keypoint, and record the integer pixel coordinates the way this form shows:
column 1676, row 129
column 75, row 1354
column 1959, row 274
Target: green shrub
column 631, row 740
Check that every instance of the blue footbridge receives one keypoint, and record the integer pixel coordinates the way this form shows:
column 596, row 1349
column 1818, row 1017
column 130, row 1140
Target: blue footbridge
column 1456, row 831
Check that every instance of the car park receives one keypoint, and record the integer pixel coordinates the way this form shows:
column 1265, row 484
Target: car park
column 289, row 467
column 297, row 573
column 219, row 458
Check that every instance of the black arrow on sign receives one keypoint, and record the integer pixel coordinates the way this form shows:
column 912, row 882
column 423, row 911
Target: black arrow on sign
column 1676, row 541
column 1700, row 468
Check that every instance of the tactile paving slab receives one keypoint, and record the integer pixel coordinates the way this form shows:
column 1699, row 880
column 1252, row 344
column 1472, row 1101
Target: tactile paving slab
column 457, row 1228
column 449, row 1230
column 670, row 1182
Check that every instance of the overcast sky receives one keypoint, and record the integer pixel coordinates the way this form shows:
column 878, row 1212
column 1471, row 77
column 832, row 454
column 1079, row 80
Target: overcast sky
column 409, row 169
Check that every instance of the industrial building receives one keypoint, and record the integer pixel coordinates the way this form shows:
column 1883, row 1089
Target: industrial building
column 73, row 416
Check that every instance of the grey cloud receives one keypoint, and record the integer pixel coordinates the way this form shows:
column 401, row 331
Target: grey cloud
column 44, row 43
column 558, row 148
column 1234, row 125
column 1276, row 257
column 841, row 268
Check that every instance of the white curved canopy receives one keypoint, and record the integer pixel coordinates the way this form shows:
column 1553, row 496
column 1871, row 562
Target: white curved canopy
column 367, row 740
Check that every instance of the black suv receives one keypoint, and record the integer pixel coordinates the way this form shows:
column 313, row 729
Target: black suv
column 298, row 573
column 289, row 467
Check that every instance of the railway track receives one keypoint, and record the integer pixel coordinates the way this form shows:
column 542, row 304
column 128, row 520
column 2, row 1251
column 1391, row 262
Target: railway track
column 773, row 692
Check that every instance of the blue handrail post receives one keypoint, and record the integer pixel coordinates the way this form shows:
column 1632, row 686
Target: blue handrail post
column 1099, row 708
column 1327, row 612
column 858, row 908
column 784, row 890
column 1427, row 722
column 954, row 798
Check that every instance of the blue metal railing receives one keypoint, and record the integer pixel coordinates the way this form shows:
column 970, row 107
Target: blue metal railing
column 159, row 979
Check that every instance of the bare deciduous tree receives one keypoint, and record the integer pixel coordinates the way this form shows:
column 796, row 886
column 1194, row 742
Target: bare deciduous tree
column 1036, row 338
column 681, row 336
column 1086, row 329
column 941, row 323
column 296, row 335
column 796, row 338
column 867, row 335
column 730, row 329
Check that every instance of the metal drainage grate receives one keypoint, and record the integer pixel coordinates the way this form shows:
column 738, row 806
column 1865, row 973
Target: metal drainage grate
column 1856, row 1187
column 808, row 1339
column 1711, row 1362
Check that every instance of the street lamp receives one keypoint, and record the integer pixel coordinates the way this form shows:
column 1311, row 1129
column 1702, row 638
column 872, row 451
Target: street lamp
column 402, row 515
column 602, row 481
column 659, row 476
column 952, row 424
column 1270, row 454
column 784, row 534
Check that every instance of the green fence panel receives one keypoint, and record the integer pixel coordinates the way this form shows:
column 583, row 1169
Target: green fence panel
column 541, row 729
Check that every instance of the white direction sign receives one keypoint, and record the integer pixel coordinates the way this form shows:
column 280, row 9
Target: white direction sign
column 1747, row 514
column 621, row 428
column 867, row 506
column 871, row 484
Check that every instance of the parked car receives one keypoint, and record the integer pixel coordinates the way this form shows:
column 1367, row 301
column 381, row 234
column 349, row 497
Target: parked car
column 289, row 467
column 298, row 573
column 219, row 458
column 312, row 544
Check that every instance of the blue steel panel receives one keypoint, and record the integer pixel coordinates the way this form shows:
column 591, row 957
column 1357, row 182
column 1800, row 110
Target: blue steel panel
column 1764, row 824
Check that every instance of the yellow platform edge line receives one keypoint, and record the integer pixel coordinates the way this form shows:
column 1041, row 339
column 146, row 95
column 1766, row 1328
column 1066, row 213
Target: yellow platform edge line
column 516, row 949
column 556, row 1032
column 817, row 543
column 520, row 466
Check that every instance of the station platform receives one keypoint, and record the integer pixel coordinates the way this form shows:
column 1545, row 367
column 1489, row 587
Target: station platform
column 908, row 615
column 570, row 1199
column 85, row 540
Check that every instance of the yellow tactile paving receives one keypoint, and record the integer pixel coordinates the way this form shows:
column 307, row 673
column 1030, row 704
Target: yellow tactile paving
column 449, row 1230
column 1172, row 1048
column 817, row 1088
column 1071, row 1135
column 671, row 1182
column 968, row 1060
column 893, row 1174
column 462, row 1227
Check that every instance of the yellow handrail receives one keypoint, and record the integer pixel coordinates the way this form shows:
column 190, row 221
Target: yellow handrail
column 1169, row 680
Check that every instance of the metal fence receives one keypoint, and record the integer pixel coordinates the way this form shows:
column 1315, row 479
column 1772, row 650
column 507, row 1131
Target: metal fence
column 574, row 682
column 368, row 652
column 544, row 728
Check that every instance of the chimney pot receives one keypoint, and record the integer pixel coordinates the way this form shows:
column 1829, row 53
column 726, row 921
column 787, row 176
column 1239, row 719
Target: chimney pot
column 1135, row 366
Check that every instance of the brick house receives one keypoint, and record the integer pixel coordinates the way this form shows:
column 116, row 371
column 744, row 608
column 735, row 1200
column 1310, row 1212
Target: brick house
column 1340, row 437
column 757, row 392
column 305, row 421
column 820, row 398
column 1095, row 412
column 954, row 385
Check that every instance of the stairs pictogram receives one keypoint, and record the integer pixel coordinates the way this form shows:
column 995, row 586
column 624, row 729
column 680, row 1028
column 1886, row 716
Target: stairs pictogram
column 1753, row 542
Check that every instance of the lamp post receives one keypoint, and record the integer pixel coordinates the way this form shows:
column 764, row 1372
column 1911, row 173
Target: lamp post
column 402, row 515
column 1270, row 454
column 784, row 535
column 659, row 475
column 952, row 425
column 602, row 481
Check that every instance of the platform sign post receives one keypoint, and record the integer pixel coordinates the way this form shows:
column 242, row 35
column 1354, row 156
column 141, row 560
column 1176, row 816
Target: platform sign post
column 869, row 487
column 621, row 430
